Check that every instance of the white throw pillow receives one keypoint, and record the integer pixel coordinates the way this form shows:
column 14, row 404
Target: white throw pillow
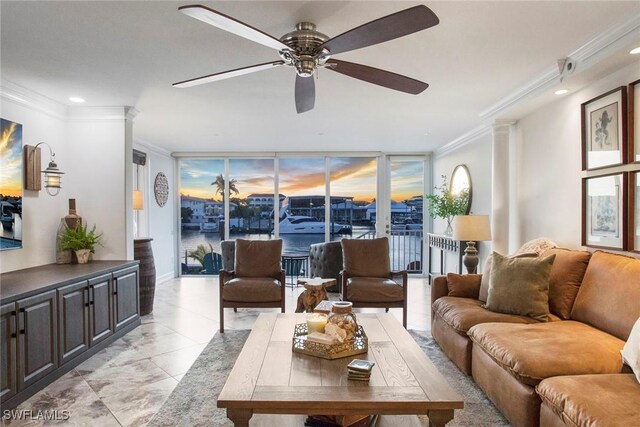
column 538, row 246
column 631, row 350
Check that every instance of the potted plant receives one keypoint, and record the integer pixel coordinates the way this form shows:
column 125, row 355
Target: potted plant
column 446, row 205
column 81, row 241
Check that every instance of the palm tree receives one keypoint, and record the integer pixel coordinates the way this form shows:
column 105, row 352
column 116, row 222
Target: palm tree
column 219, row 184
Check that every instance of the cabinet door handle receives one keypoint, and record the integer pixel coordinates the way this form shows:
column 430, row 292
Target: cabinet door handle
column 13, row 335
column 22, row 310
column 22, row 331
column 115, row 292
column 91, row 302
column 86, row 304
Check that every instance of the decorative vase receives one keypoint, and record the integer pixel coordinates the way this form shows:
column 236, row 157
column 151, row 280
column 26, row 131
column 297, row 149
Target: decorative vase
column 62, row 256
column 83, row 256
column 73, row 220
column 449, row 231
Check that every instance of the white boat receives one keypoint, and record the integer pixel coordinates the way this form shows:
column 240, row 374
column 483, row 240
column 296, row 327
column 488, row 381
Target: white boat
column 7, row 215
column 298, row 224
column 210, row 227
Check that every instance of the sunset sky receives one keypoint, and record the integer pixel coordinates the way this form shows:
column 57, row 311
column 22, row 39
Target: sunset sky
column 10, row 158
column 350, row 176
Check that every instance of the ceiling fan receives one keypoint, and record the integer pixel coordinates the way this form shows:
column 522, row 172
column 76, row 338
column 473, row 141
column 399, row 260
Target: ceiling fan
column 307, row 50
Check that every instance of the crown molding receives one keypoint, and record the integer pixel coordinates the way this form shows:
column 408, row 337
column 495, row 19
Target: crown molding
column 137, row 142
column 32, row 100
column 131, row 113
column 27, row 98
column 463, row 140
column 503, row 125
column 96, row 114
column 587, row 55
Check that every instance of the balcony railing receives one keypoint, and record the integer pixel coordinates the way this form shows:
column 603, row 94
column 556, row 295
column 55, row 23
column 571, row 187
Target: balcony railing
column 405, row 249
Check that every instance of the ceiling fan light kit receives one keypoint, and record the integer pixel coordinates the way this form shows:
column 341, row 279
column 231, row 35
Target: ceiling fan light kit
column 306, row 50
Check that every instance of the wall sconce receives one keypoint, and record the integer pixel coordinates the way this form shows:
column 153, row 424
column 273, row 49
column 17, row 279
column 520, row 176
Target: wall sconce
column 33, row 169
column 137, row 200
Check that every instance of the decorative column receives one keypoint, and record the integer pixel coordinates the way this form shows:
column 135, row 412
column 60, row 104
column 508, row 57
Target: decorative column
column 501, row 184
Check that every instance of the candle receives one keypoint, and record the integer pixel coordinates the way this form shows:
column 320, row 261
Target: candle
column 316, row 322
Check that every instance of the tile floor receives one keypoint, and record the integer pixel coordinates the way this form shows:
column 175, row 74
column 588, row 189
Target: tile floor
column 126, row 383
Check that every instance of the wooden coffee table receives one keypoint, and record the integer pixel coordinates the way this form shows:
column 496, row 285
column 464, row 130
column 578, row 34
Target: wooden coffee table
column 268, row 378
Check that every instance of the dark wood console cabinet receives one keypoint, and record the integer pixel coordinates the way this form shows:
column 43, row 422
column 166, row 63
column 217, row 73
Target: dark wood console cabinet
column 54, row 317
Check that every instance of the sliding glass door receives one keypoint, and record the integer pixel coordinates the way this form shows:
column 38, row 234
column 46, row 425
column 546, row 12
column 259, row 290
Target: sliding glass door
column 404, row 214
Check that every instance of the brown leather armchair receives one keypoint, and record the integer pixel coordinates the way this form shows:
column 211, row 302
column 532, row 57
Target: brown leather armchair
column 367, row 279
column 258, row 279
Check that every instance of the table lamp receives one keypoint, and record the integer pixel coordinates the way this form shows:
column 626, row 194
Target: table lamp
column 472, row 229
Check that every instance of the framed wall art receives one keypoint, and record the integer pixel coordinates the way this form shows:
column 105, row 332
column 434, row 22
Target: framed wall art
column 604, row 211
column 11, row 184
column 604, row 130
column 634, row 122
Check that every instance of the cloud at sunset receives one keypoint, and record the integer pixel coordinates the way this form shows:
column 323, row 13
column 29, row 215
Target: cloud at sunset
column 350, row 176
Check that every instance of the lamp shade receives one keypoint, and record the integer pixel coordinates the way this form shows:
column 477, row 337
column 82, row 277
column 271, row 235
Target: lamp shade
column 137, row 200
column 474, row 228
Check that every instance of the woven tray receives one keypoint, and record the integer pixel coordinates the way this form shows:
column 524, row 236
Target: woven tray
column 358, row 345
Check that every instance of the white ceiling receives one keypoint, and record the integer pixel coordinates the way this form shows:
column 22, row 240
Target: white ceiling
column 129, row 53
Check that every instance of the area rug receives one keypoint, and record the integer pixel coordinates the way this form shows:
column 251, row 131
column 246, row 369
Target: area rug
column 193, row 401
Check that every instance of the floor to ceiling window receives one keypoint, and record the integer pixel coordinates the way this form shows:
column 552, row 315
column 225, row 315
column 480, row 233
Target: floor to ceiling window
column 353, row 195
column 309, row 209
column 201, row 211
column 251, row 198
column 302, row 183
column 406, row 214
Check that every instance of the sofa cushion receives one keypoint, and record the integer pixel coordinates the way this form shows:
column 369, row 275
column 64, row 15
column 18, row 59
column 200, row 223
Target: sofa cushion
column 520, row 286
column 534, row 352
column 486, row 274
column 252, row 289
column 373, row 289
column 366, row 257
column 609, row 397
column 463, row 313
column 463, row 285
column 631, row 350
column 609, row 295
column 258, row 258
column 565, row 280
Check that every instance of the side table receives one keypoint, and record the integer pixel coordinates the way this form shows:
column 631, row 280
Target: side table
column 313, row 293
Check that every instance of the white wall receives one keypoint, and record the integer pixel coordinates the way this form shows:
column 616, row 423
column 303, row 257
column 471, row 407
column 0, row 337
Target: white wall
column 477, row 156
column 41, row 212
column 96, row 178
column 160, row 221
column 90, row 148
column 548, row 164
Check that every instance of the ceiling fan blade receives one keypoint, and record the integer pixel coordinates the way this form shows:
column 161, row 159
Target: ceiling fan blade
column 232, row 25
column 227, row 74
column 377, row 77
column 305, row 93
column 383, row 29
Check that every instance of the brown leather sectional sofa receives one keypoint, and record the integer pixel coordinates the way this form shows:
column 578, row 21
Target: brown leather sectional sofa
column 564, row 372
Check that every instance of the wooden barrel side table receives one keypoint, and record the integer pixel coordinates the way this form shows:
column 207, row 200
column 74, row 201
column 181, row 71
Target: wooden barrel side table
column 143, row 252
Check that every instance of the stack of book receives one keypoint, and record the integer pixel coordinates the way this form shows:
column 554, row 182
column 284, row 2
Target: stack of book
column 359, row 370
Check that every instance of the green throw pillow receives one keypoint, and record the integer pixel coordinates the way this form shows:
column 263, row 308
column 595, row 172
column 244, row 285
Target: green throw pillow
column 520, row 286
column 486, row 274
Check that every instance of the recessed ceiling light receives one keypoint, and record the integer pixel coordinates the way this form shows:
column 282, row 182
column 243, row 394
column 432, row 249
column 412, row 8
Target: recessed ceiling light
column 635, row 51
column 561, row 91
column 76, row 99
